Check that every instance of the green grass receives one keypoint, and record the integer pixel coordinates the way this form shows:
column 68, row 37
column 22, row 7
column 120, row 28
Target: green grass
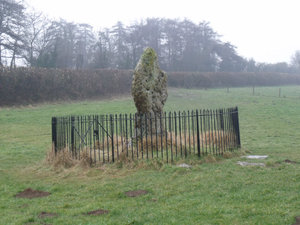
column 208, row 193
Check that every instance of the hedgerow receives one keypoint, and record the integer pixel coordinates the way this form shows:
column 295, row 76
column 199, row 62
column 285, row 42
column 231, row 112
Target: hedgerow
column 35, row 85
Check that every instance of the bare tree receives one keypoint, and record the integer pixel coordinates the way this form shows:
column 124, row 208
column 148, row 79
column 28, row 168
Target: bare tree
column 11, row 29
column 295, row 60
column 36, row 26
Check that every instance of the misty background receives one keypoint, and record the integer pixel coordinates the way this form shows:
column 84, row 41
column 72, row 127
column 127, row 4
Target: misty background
column 30, row 38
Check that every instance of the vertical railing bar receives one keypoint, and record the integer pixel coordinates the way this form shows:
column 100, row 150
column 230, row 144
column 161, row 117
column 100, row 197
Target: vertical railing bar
column 179, row 123
column 209, row 131
column 107, row 137
column 146, row 134
column 156, row 134
column 54, row 134
column 204, row 131
column 94, row 139
column 112, row 138
column 131, row 141
column 117, row 135
column 98, row 138
column 198, row 133
column 175, row 123
column 215, row 132
column 218, row 127
column 161, row 135
column 231, row 129
column 103, row 138
column 166, row 128
column 193, row 130
column 67, row 136
column 142, row 141
column 171, row 134
column 184, row 130
column 151, row 134
column 121, row 131
column 189, row 129
column 224, row 126
column 126, row 135
column 91, row 123
column 136, row 136
column 238, row 128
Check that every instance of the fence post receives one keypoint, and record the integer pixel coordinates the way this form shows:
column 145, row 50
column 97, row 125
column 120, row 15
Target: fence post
column 54, row 134
column 198, row 133
column 112, row 138
column 238, row 127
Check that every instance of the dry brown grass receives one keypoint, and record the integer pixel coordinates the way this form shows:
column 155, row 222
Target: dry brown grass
column 65, row 159
column 126, row 150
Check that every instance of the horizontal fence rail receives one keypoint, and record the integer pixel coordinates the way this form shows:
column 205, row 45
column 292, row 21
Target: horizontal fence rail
column 107, row 138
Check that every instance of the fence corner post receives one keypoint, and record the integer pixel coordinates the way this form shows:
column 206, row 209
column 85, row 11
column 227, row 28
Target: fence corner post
column 54, row 134
column 238, row 128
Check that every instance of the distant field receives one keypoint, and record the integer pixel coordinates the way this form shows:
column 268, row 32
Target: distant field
column 210, row 192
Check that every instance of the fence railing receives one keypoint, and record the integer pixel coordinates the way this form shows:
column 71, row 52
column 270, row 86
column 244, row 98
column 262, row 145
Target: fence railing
column 107, row 138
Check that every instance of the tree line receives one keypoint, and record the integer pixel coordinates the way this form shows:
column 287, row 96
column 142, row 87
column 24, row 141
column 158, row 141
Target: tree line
column 29, row 38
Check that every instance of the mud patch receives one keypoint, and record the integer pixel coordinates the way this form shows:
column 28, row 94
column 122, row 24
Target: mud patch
column 29, row 193
column 289, row 161
column 98, row 212
column 135, row 193
column 47, row 214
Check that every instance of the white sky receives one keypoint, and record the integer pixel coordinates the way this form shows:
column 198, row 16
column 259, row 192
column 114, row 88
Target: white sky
column 266, row 30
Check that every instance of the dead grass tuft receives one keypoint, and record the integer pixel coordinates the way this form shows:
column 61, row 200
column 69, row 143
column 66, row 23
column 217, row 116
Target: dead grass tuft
column 228, row 155
column 60, row 159
column 65, row 159
column 210, row 159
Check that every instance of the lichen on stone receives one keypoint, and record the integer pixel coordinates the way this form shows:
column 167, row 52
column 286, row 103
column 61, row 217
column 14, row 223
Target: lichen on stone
column 149, row 85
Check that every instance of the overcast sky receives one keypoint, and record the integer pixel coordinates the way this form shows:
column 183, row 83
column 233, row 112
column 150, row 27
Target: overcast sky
column 266, row 30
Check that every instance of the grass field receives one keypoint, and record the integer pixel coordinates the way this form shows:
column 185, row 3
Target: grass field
column 220, row 192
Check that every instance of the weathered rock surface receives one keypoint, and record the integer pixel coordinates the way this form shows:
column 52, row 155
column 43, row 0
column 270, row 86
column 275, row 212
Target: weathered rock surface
column 149, row 88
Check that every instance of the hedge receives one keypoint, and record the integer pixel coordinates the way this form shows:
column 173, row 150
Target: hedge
column 35, row 85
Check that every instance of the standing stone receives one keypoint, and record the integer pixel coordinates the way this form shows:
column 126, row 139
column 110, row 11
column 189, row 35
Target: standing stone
column 149, row 89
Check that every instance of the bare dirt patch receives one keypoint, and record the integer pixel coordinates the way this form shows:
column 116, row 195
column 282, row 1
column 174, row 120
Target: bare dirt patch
column 98, row 212
column 47, row 214
column 135, row 193
column 290, row 161
column 29, row 193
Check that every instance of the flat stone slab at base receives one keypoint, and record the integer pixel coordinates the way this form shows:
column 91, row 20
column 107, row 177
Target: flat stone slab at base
column 256, row 156
column 250, row 164
column 184, row 165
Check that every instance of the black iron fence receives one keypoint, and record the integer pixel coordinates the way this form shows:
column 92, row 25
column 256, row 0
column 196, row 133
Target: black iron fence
column 107, row 138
